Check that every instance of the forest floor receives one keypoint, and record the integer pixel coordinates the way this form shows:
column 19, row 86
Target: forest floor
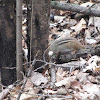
column 78, row 79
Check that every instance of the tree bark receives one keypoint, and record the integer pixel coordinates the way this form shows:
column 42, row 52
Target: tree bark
column 7, row 42
column 19, row 67
column 75, row 8
column 39, row 28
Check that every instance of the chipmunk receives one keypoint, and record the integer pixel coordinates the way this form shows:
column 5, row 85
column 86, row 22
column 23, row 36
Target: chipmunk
column 65, row 44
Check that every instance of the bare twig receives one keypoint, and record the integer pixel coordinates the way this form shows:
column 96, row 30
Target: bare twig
column 43, row 95
column 69, row 66
column 25, row 80
column 31, row 32
column 4, row 93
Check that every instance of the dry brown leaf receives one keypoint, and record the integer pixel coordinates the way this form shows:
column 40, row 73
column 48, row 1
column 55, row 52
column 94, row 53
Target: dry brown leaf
column 76, row 85
column 49, row 91
column 37, row 78
column 93, row 63
column 82, row 77
column 60, row 74
column 81, row 25
column 61, row 91
column 66, row 81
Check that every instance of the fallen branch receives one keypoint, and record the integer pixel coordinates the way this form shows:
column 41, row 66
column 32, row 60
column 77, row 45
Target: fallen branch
column 75, row 8
column 4, row 93
column 66, row 57
column 69, row 66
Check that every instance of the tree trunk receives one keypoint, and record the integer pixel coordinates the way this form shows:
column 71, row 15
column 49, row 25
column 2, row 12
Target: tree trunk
column 19, row 39
column 7, row 42
column 39, row 28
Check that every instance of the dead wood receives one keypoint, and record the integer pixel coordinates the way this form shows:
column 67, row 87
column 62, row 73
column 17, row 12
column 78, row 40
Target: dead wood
column 75, row 8
column 66, row 57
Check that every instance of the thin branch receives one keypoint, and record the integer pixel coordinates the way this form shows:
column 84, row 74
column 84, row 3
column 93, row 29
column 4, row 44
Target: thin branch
column 43, row 95
column 4, row 93
column 31, row 32
column 25, row 80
